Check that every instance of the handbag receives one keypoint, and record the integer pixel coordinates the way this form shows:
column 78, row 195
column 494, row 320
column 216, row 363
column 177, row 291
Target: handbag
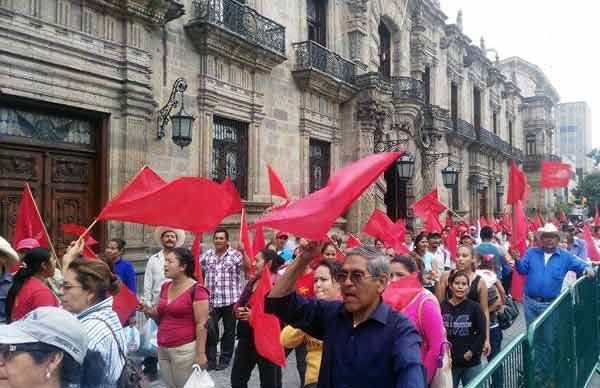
column 509, row 314
column 131, row 375
column 199, row 379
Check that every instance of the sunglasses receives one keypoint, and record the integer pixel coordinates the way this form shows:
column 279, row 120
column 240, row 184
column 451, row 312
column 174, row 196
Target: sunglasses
column 356, row 277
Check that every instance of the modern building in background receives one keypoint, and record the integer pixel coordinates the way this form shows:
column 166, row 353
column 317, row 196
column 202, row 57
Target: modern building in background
column 574, row 123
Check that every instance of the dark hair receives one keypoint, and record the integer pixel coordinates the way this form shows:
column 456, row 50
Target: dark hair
column 119, row 241
column 326, row 245
column 185, row 257
column 94, row 368
column 221, row 230
column 96, row 277
column 70, row 371
column 484, row 263
column 486, row 233
column 410, row 229
column 407, row 261
column 33, row 260
column 434, row 235
column 271, row 256
column 378, row 240
column 334, row 267
column 455, row 274
column 418, row 239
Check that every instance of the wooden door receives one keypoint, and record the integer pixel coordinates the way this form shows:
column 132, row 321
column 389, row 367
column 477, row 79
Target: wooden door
column 63, row 183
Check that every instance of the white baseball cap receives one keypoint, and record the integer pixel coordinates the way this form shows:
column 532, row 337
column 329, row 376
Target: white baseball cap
column 49, row 325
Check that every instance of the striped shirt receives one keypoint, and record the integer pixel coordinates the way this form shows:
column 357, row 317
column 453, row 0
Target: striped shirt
column 101, row 340
column 223, row 276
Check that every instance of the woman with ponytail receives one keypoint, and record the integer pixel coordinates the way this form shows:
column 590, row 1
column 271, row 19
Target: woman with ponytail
column 28, row 290
column 87, row 292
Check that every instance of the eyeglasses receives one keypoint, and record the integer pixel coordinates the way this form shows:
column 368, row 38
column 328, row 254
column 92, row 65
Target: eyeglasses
column 356, row 277
column 67, row 286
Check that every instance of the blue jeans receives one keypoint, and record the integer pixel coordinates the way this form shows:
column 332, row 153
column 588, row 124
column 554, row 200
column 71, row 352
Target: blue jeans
column 496, row 345
column 533, row 309
column 543, row 346
column 464, row 375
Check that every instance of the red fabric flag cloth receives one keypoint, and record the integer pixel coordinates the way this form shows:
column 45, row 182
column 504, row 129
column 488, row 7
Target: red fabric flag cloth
column 276, row 185
column 379, row 226
column 124, row 303
column 428, row 204
column 29, row 223
column 592, row 250
column 399, row 231
column 236, row 201
column 353, row 241
column 311, row 217
column 517, row 185
column 432, row 223
column 449, row 221
column 245, row 238
column 451, row 242
column 266, row 326
column 554, row 174
column 597, row 217
column 144, row 182
column 506, row 223
column 197, row 253
column 259, row 239
column 518, row 241
column 562, row 218
column 483, row 222
column 401, row 292
column 89, row 241
column 400, row 248
column 203, row 204
column 305, row 284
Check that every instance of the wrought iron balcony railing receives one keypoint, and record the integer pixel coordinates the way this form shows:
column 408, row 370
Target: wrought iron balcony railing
column 533, row 162
column 407, row 88
column 464, row 128
column 495, row 142
column 242, row 20
column 312, row 56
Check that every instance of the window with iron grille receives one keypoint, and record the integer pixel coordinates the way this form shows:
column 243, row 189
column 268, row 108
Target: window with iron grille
column 230, row 153
column 385, row 50
column 316, row 11
column 530, row 145
column 510, row 132
column 318, row 164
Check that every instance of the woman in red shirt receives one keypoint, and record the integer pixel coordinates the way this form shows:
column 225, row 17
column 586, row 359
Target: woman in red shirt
column 28, row 290
column 181, row 315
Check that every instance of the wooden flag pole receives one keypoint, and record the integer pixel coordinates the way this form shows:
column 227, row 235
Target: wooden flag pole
column 457, row 215
column 87, row 230
column 52, row 249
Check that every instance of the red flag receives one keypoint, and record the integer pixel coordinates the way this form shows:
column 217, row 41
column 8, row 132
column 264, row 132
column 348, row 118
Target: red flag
column 518, row 241
column 399, row 231
column 554, row 174
column 78, row 230
column 428, row 204
column 401, row 292
column 592, row 250
column 230, row 191
column 517, row 185
column 276, row 185
column 432, row 223
column 400, row 248
column 449, row 221
column 562, row 218
column 201, row 205
column 305, row 284
column 506, row 224
column 29, row 223
column 266, row 326
column 597, row 217
column 379, row 226
column 124, row 303
column 312, row 217
column 197, row 253
column 353, row 241
column 259, row 239
column 483, row 222
column 245, row 238
column 452, row 243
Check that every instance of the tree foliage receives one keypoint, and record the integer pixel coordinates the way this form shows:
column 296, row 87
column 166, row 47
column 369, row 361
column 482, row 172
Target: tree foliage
column 595, row 156
column 589, row 188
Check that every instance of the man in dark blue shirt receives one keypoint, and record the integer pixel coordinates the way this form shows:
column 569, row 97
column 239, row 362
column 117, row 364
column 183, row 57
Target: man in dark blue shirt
column 365, row 342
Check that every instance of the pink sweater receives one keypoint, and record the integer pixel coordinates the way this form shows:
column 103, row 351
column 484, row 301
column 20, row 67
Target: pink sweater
column 431, row 328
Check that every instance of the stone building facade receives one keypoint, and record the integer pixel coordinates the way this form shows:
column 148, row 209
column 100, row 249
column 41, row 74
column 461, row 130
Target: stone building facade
column 303, row 85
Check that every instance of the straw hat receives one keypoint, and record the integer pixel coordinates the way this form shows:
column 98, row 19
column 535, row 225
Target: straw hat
column 160, row 230
column 548, row 229
column 7, row 251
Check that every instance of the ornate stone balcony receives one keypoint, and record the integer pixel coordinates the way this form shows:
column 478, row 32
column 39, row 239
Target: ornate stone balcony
column 236, row 30
column 533, row 162
column 495, row 143
column 464, row 130
column 327, row 73
column 156, row 11
column 408, row 89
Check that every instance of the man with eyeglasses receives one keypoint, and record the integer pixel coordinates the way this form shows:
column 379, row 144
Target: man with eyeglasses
column 365, row 342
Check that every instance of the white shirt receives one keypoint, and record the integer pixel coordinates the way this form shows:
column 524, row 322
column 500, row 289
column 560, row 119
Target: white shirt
column 547, row 257
column 154, row 277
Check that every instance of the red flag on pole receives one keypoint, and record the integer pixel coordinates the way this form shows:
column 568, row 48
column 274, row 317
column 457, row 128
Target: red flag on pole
column 592, row 250
column 518, row 241
column 379, row 226
column 353, row 241
column 312, row 217
column 562, row 218
column 428, row 204
column 29, row 223
column 266, row 326
column 276, row 185
column 89, row 241
column 245, row 238
column 554, row 174
column 432, row 223
column 517, row 185
column 506, row 223
column 399, row 294
column 483, row 222
column 197, row 253
column 597, row 217
column 259, row 239
column 124, row 303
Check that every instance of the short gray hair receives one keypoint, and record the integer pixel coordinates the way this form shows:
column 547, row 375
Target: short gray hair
column 377, row 262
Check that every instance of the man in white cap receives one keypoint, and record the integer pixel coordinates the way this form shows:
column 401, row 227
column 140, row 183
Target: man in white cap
column 546, row 268
column 154, row 275
column 8, row 257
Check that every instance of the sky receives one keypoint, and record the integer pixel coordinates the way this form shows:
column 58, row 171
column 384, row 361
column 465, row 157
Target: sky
column 560, row 37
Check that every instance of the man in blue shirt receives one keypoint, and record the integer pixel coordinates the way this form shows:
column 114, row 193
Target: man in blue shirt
column 487, row 247
column 365, row 342
column 576, row 247
column 545, row 268
column 281, row 240
column 124, row 269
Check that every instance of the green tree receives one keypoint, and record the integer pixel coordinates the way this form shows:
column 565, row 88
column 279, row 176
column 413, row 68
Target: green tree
column 595, row 156
column 589, row 188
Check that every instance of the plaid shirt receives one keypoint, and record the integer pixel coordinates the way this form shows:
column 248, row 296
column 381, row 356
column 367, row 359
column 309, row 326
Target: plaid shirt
column 223, row 276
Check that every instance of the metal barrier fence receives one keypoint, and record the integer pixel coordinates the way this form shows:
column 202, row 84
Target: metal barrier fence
column 560, row 348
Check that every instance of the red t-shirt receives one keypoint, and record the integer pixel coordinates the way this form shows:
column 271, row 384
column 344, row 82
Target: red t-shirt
column 32, row 295
column 305, row 284
column 177, row 325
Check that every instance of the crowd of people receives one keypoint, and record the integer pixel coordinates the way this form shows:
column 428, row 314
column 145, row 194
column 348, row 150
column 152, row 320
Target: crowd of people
column 374, row 317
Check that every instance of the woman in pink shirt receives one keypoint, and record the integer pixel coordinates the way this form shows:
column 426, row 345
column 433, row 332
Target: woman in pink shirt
column 181, row 315
column 407, row 295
